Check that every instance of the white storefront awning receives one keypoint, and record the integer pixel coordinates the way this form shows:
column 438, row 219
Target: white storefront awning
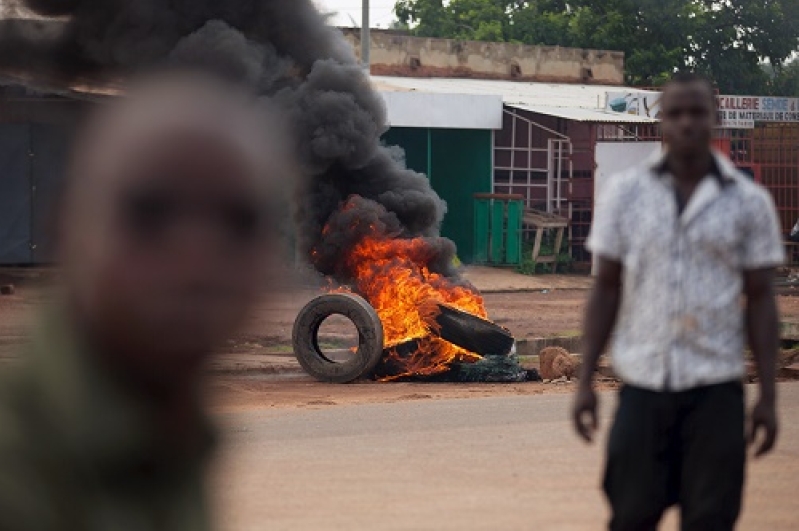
column 448, row 111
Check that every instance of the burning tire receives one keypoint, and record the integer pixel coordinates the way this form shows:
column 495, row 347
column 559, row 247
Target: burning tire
column 370, row 338
column 472, row 333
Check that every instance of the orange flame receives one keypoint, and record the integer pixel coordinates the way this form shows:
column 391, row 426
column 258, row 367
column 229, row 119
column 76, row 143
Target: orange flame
column 393, row 275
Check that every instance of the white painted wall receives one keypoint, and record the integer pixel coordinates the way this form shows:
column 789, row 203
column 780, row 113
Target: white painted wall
column 613, row 158
column 446, row 111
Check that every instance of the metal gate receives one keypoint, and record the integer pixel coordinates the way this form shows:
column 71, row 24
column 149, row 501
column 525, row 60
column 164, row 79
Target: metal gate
column 534, row 161
column 32, row 159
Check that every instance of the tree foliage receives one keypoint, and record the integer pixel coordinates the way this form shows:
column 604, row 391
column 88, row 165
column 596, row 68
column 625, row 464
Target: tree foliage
column 728, row 40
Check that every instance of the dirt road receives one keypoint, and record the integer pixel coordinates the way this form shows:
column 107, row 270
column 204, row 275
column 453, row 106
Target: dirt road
column 268, row 330
column 525, row 314
column 305, row 455
column 501, row 462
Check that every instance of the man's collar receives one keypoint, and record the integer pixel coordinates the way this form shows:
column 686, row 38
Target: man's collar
column 717, row 168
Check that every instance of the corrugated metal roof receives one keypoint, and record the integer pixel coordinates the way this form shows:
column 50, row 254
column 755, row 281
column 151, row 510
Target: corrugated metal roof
column 586, row 115
column 583, row 103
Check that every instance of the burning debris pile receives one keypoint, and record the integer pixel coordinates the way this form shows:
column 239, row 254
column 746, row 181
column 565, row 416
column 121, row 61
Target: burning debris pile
column 452, row 345
column 366, row 247
column 431, row 325
column 363, row 218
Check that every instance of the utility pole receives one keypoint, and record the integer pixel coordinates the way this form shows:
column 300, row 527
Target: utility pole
column 365, row 38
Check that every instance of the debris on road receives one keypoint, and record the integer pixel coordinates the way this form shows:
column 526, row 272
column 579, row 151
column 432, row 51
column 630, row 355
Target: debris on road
column 556, row 362
column 370, row 338
column 471, row 332
column 498, row 360
column 494, row 369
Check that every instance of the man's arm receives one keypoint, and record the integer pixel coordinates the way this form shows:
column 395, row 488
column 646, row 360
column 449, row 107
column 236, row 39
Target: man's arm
column 600, row 318
column 762, row 326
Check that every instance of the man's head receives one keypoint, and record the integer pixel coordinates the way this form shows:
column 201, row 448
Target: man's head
column 688, row 114
column 165, row 225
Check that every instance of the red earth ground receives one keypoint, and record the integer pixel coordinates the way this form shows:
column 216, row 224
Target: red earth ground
column 268, row 333
column 249, row 473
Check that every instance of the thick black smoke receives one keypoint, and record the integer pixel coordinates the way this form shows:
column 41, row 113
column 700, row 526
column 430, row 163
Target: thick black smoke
column 282, row 49
column 107, row 36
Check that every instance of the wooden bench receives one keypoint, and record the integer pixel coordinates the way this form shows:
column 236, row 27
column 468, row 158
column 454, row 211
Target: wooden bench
column 541, row 221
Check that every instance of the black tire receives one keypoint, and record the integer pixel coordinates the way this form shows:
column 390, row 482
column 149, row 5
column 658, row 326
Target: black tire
column 472, row 333
column 497, row 369
column 370, row 338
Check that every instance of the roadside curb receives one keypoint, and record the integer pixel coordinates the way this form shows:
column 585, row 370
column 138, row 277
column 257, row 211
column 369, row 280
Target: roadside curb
column 267, row 369
column 531, row 346
column 246, row 363
column 530, row 290
column 283, row 365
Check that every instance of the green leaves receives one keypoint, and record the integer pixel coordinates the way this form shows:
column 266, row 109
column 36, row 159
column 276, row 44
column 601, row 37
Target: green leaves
column 783, row 80
column 727, row 39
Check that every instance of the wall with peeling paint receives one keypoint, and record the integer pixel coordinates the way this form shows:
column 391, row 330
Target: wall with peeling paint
column 395, row 54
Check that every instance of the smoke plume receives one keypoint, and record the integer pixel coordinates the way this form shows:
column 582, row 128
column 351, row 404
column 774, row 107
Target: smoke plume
column 283, row 50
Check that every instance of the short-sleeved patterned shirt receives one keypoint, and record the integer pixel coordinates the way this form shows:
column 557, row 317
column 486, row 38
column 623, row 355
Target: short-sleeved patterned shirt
column 681, row 323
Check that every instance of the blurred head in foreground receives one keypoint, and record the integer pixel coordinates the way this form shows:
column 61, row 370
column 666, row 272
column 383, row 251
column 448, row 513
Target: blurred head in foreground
column 165, row 229
column 165, row 237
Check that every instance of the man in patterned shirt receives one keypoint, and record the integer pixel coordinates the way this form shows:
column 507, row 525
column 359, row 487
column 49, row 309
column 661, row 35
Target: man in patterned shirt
column 679, row 241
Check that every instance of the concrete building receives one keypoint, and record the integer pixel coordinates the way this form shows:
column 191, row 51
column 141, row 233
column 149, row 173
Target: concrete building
column 558, row 143
column 553, row 144
column 447, row 131
column 452, row 147
column 548, row 125
column 394, row 53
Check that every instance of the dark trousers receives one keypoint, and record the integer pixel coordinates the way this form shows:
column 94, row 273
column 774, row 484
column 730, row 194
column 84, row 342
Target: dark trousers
column 685, row 448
